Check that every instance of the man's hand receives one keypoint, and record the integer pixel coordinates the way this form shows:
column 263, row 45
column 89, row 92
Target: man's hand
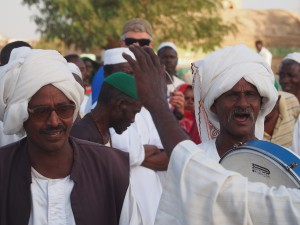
column 177, row 101
column 152, row 90
column 149, row 75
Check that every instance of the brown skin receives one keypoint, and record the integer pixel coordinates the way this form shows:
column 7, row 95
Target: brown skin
column 189, row 99
column 289, row 77
column 85, row 78
column 177, row 101
column 159, row 160
column 236, row 127
column 50, row 151
column 119, row 114
column 120, row 67
column 149, row 76
column 168, row 57
column 155, row 159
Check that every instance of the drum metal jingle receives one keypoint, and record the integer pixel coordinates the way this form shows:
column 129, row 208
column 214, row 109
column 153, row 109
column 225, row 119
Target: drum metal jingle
column 263, row 161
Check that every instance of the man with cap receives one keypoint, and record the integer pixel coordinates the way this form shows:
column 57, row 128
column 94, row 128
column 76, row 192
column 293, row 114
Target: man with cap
column 49, row 177
column 141, row 140
column 289, row 74
column 217, row 196
column 167, row 54
column 135, row 31
column 265, row 53
column 116, row 108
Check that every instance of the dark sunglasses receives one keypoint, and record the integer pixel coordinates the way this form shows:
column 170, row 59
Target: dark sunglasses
column 64, row 111
column 142, row 42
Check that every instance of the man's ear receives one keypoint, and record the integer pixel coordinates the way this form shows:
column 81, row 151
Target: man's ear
column 121, row 104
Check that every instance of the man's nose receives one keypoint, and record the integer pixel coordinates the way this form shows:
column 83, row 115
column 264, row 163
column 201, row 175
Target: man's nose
column 53, row 119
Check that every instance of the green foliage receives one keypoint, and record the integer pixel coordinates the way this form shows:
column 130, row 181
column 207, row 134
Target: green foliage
column 89, row 24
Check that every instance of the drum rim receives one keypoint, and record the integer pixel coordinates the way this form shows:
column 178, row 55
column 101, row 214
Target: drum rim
column 266, row 153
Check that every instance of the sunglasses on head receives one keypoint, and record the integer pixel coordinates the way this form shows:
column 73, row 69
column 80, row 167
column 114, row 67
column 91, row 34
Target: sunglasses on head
column 64, row 111
column 142, row 42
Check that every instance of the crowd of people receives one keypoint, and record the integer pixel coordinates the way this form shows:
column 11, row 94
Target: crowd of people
column 130, row 143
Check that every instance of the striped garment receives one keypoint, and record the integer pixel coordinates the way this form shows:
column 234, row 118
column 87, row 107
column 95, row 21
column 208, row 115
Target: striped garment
column 289, row 110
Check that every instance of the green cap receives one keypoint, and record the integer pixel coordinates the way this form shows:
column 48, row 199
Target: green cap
column 124, row 82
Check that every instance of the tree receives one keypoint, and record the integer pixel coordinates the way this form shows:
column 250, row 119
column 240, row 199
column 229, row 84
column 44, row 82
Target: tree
column 89, row 24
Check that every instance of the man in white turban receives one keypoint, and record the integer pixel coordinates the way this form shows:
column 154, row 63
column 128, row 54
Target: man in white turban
column 49, row 177
column 289, row 74
column 234, row 91
column 199, row 190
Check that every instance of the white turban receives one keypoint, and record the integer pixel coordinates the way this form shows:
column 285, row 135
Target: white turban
column 293, row 56
column 74, row 69
column 114, row 56
column 218, row 72
column 167, row 44
column 26, row 72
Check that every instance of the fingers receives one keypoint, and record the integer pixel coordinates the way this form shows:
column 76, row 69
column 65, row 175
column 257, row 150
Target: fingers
column 153, row 56
column 131, row 61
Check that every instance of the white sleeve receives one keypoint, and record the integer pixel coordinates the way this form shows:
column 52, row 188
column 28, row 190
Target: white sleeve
column 200, row 189
column 296, row 137
column 129, row 142
column 130, row 214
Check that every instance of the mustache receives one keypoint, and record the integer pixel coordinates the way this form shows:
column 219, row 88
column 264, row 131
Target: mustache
column 241, row 111
column 49, row 129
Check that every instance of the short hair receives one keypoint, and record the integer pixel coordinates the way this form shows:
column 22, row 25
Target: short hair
column 70, row 57
column 6, row 50
column 137, row 25
column 108, row 93
column 258, row 42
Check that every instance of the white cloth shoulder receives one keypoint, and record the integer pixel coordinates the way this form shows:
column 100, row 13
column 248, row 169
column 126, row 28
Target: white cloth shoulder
column 267, row 55
column 7, row 139
column 296, row 138
column 210, row 149
column 201, row 191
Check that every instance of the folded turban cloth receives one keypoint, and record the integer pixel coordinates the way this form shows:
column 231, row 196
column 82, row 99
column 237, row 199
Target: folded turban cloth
column 217, row 73
column 74, row 69
column 293, row 56
column 26, row 72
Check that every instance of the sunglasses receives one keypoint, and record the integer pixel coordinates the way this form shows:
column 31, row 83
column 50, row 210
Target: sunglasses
column 64, row 111
column 142, row 42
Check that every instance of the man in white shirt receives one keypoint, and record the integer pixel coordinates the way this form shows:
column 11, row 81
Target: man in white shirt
column 167, row 54
column 200, row 190
column 265, row 53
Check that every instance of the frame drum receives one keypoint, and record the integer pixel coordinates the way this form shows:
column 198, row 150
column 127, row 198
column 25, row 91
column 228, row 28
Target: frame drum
column 266, row 162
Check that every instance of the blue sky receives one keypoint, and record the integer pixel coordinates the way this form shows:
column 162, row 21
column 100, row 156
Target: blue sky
column 16, row 21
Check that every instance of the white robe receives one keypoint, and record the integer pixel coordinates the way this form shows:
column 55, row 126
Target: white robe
column 296, row 137
column 145, row 184
column 200, row 191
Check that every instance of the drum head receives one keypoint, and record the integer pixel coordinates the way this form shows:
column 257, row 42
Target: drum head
column 260, row 166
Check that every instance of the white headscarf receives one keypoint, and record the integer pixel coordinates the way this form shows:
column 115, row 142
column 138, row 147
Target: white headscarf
column 74, row 69
column 217, row 73
column 26, row 72
column 293, row 56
